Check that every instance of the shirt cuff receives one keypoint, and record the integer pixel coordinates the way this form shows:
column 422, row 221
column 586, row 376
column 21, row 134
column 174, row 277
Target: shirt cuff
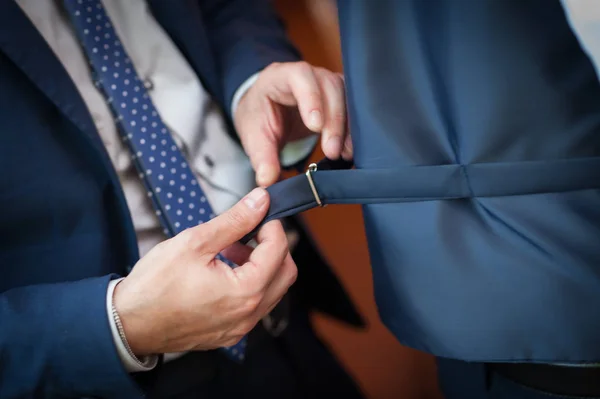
column 239, row 93
column 295, row 151
column 130, row 363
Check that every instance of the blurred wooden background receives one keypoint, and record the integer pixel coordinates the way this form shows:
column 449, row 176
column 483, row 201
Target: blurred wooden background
column 382, row 367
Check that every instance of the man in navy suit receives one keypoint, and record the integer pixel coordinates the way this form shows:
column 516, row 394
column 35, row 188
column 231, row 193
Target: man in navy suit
column 95, row 299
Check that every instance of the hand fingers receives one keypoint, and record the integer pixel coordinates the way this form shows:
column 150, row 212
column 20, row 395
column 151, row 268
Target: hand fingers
column 266, row 259
column 262, row 136
column 297, row 84
column 285, row 277
column 229, row 227
column 334, row 127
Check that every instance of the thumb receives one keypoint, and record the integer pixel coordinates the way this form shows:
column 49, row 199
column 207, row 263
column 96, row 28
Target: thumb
column 232, row 225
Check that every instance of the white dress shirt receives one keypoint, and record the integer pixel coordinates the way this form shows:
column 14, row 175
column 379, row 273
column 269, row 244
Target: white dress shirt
column 223, row 170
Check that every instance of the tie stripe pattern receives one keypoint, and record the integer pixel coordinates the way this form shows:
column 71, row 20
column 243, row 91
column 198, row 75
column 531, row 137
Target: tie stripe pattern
column 178, row 199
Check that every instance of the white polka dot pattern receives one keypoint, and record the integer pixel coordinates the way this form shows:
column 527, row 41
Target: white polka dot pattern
column 172, row 187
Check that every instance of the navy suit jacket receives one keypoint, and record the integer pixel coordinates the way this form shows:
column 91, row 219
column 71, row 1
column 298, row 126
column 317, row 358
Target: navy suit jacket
column 65, row 229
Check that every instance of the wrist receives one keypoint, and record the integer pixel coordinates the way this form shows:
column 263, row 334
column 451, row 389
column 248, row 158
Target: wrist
column 132, row 330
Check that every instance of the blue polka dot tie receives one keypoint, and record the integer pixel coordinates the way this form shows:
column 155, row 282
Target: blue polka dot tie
column 172, row 187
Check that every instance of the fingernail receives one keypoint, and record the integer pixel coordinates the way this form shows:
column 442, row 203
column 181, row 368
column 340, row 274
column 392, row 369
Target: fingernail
column 315, row 119
column 256, row 198
column 333, row 146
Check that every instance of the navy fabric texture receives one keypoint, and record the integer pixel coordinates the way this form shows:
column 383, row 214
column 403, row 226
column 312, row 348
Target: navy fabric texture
column 459, row 82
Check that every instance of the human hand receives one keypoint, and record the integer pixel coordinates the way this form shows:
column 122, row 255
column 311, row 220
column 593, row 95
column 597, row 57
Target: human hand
column 179, row 297
column 291, row 101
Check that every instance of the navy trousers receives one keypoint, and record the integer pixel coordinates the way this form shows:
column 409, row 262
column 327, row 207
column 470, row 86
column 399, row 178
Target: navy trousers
column 462, row 380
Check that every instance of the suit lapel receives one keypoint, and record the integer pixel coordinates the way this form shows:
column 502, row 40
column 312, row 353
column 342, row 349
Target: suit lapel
column 182, row 20
column 22, row 43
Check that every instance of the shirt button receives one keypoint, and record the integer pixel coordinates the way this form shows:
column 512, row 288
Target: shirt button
column 148, row 85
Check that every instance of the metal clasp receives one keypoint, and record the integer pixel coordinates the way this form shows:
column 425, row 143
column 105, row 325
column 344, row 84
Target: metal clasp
column 313, row 168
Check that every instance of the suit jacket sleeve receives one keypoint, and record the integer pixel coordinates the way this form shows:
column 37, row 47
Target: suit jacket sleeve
column 245, row 37
column 55, row 341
